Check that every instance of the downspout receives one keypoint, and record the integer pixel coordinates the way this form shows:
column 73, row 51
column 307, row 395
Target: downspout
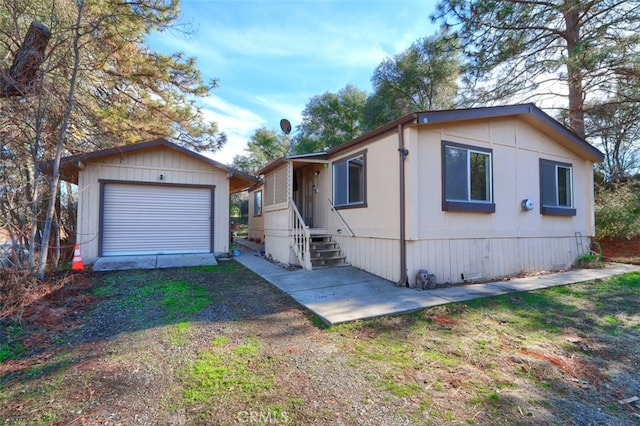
column 404, row 153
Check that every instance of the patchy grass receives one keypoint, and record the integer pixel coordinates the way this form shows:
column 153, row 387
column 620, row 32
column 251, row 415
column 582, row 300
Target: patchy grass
column 13, row 350
column 179, row 333
column 175, row 297
column 11, row 346
column 219, row 345
column 229, row 371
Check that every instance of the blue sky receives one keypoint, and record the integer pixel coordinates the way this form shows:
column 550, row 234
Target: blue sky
column 271, row 56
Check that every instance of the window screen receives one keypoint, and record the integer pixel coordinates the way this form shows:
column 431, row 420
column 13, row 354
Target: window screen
column 556, row 188
column 349, row 181
column 467, row 178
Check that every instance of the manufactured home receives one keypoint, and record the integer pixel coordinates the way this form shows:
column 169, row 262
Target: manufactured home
column 471, row 194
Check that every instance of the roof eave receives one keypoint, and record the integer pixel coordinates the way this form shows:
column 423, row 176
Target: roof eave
column 577, row 143
column 392, row 126
column 70, row 165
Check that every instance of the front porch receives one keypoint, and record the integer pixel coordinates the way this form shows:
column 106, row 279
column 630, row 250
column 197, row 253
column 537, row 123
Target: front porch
column 296, row 214
column 324, row 251
column 313, row 247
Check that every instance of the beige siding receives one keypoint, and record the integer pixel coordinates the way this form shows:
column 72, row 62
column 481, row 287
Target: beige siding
column 147, row 166
column 277, row 186
column 453, row 260
column 381, row 216
column 515, row 177
column 379, row 256
column 256, row 223
column 277, row 244
column 376, row 246
column 510, row 240
column 453, row 244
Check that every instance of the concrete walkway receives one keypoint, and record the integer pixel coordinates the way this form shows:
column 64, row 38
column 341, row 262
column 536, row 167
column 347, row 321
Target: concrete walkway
column 345, row 294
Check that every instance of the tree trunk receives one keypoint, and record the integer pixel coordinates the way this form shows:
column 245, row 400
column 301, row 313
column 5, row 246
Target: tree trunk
column 574, row 71
column 55, row 172
column 20, row 79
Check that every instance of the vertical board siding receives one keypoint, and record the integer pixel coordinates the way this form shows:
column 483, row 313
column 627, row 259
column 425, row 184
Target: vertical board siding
column 281, row 185
column 276, row 234
column 269, row 188
column 276, row 186
column 492, row 258
column 176, row 168
column 378, row 256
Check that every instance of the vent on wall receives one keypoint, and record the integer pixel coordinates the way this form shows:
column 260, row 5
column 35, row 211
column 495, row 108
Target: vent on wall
column 471, row 276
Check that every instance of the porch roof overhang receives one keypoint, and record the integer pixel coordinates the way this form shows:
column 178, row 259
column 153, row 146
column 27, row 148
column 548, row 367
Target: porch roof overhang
column 315, row 157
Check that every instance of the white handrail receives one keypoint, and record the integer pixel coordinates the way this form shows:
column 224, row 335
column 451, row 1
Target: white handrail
column 333, row 208
column 300, row 236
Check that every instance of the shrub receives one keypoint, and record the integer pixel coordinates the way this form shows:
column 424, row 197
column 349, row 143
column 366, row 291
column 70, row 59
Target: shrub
column 617, row 211
column 15, row 286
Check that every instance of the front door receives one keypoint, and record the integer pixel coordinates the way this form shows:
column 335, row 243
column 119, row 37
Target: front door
column 305, row 193
column 309, row 193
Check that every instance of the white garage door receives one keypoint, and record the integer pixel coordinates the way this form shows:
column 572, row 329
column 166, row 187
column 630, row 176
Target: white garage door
column 151, row 219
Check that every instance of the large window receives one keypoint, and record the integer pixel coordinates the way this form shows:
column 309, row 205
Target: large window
column 556, row 188
column 257, row 203
column 467, row 178
column 349, row 181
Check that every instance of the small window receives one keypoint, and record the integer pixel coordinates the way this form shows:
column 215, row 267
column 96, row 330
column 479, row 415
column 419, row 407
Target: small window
column 257, row 203
column 467, row 178
column 556, row 188
column 349, row 182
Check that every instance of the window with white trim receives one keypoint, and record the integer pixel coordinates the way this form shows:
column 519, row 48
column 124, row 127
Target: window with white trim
column 556, row 188
column 467, row 180
column 349, row 178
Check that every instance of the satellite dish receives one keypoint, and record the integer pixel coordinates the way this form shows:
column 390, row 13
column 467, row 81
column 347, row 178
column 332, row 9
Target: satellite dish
column 285, row 125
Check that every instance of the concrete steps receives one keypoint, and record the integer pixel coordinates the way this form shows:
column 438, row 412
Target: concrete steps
column 325, row 252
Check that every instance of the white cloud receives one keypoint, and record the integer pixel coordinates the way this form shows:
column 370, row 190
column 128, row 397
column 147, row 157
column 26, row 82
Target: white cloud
column 272, row 56
column 236, row 122
column 289, row 107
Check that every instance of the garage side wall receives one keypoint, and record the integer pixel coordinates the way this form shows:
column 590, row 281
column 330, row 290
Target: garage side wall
column 160, row 166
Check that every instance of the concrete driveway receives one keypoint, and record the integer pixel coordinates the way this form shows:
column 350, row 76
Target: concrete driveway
column 123, row 263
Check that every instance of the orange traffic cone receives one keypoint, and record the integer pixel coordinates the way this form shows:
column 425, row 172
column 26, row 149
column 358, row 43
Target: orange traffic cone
column 77, row 264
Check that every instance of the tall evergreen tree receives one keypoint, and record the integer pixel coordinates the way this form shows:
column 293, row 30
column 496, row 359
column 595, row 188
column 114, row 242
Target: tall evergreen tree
column 518, row 49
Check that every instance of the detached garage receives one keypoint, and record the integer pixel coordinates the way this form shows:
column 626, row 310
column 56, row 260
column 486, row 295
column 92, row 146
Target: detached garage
column 153, row 219
column 152, row 198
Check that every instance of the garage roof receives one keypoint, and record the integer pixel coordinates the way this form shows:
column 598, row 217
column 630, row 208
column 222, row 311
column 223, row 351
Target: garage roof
column 70, row 166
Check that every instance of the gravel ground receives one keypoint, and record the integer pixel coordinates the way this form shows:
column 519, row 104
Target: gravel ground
column 124, row 360
column 310, row 365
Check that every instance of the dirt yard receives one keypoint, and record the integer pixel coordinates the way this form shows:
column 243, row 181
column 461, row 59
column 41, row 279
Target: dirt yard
column 621, row 250
column 219, row 345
